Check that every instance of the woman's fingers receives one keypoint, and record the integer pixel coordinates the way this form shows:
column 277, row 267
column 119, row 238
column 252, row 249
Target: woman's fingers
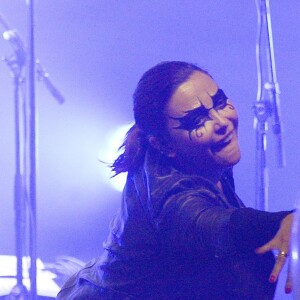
column 280, row 242
column 288, row 284
column 280, row 261
column 265, row 248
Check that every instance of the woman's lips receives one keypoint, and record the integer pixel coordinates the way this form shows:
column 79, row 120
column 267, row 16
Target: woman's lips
column 222, row 144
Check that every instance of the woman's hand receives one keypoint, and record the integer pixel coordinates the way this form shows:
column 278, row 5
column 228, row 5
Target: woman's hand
column 280, row 242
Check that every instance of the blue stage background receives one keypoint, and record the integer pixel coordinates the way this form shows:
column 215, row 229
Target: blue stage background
column 95, row 52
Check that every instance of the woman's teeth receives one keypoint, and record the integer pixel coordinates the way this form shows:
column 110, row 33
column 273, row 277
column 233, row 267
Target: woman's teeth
column 230, row 136
column 219, row 146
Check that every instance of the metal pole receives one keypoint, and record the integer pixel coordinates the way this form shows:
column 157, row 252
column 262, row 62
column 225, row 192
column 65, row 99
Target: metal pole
column 274, row 92
column 267, row 103
column 262, row 113
column 25, row 175
column 32, row 153
column 16, row 63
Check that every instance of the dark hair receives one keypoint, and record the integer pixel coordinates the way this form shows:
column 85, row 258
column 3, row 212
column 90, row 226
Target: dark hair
column 151, row 96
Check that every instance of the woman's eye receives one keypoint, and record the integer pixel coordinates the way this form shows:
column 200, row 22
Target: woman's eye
column 220, row 100
column 193, row 119
column 190, row 126
column 198, row 123
column 221, row 103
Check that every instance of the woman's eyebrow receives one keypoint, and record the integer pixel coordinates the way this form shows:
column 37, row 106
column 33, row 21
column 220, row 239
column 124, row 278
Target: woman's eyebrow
column 202, row 110
column 219, row 95
column 196, row 111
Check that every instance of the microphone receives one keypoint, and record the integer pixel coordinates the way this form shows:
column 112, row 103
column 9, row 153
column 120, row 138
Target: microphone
column 14, row 39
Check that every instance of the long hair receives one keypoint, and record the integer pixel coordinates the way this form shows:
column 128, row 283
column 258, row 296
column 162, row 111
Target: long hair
column 150, row 98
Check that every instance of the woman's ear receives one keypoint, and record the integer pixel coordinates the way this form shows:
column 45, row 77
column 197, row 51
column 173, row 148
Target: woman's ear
column 153, row 141
column 156, row 144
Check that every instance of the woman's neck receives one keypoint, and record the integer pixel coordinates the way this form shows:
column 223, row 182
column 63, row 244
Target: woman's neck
column 212, row 174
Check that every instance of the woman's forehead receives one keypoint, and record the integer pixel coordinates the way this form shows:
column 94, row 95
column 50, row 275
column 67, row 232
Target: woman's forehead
column 196, row 91
column 198, row 82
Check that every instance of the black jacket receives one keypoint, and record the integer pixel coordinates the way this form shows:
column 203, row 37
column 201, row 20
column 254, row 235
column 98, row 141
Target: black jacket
column 178, row 236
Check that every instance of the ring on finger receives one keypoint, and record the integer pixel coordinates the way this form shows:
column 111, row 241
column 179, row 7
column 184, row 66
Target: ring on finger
column 282, row 254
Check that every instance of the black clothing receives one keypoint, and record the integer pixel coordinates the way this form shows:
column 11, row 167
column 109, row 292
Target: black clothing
column 178, row 236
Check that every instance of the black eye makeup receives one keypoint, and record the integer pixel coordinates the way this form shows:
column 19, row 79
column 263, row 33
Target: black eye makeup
column 196, row 118
column 193, row 119
column 219, row 100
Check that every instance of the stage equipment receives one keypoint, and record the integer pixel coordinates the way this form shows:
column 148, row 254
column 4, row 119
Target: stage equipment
column 46, row 285
column 25, row 145
column 267, row 103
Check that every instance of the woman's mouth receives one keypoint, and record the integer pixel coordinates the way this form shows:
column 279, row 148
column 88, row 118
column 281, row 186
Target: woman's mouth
column 222, row 144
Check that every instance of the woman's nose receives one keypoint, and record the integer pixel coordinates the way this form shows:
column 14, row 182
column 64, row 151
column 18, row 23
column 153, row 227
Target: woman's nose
column 220, row 122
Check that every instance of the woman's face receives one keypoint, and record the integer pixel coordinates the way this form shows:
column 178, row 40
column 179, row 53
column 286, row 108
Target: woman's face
column 202, row 124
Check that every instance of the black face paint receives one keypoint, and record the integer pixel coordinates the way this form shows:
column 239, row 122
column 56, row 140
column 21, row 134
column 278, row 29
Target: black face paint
column 219, row 100
column 196, row 118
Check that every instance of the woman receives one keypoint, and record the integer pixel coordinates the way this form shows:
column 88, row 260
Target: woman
column 182, row 232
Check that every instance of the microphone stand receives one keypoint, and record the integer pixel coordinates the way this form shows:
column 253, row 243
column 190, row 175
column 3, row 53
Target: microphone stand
column 267, row 104
column 24, row 202
column 16, row 63
column 32, row 152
